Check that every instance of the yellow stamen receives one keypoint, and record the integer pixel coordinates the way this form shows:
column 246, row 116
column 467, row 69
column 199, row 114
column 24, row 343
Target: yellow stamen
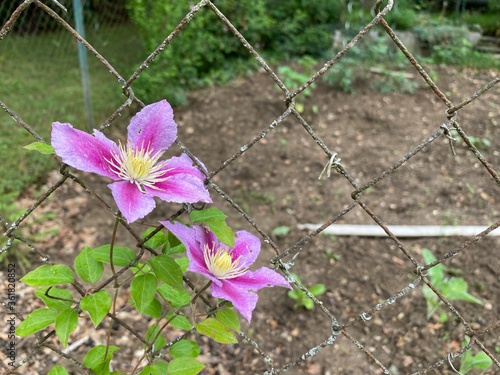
column 221, row 264
column 139, row 166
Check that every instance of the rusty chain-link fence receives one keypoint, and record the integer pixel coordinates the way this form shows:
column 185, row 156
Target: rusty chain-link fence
column 336, row 326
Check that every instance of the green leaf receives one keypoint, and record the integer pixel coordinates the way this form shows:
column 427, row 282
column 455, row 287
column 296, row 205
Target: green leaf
column 41, row 147
column 293, row 294
column 157, row 368
column 184, row 366
column 49, row 276
column 176, row 297
column 99, row 357
column 173, row 245
column 167, row 270
column 153, row 309
column 57, row 370
column 122, row 256
column 142, row 290
column 280, row 231
column 308, row 303
column 185, row 348
column 36, row 321
column 215, row 219
column 87, row 267
column 216, row 330
column 436, row 273
column 102, row 368
column 151, row 370
column 183, row 263
column 54, row 303
column 456, row 288
column 229, row 318
column 161, row 366
column 97, row 305
column 66, row 323
column 170, row 250
column 317, row 289
column 179, row 321
column 156, row 241
column 432, row 300
column 479, row 361
column 141, row 269
column 155, row 334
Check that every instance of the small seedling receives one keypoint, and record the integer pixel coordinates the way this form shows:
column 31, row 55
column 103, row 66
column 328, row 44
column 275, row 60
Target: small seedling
column 280, row 231
column 481, row 143
column 301, row 299
column 468, row 362
column 331, row 255
column 452, row 288
column 292, row 78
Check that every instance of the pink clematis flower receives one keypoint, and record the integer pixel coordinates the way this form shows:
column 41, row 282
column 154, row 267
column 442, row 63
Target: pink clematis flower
column 227, row 267
column 136, row 168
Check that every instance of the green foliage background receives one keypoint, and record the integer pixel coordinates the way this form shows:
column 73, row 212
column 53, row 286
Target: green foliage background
column 206, row 50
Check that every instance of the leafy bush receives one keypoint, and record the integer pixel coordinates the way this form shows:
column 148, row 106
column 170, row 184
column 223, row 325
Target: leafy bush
column 488, row 22
column 204, row 51
column 448, row 44
column 207, row 52
column 436, row 32
column 302, row 27
column 373, row 60
column 404, row 15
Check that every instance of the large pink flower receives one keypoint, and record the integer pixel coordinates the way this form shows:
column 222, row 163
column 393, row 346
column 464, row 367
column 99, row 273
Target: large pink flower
column 139, row 174
column 227, row 267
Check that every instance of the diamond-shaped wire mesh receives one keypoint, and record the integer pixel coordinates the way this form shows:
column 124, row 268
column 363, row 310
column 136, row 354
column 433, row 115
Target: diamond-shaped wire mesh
column 346, row 332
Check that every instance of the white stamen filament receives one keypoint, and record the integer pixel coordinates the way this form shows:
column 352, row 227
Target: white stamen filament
column 138, row 166
column 221, row 264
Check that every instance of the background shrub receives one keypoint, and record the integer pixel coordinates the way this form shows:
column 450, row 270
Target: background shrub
column 206, row 51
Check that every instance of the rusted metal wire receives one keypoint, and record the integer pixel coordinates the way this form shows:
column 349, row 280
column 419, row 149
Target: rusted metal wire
column 336, row 328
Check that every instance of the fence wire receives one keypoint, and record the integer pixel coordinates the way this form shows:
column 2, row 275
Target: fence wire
column 334, row 326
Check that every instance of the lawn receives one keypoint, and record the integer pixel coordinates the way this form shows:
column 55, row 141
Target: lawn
column 41, row 82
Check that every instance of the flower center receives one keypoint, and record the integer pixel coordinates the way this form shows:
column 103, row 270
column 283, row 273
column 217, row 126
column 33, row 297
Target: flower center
column 221, row 264
column 138, row 166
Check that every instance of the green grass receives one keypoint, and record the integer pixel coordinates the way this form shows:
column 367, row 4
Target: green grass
column 40, row 81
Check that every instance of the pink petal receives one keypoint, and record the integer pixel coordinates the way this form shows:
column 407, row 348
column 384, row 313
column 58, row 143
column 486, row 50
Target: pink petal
column 207, row 237
column 184, row 233
column 262, row 278
column 153, row 127
column 241, row 299
column 183, row 164
column 194, row 249
column 83, row 151
column 185, row 183
column 246, row 246
column 130, row 201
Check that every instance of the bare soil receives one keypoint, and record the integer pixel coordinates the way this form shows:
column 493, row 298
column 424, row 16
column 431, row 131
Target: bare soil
column 276, row 183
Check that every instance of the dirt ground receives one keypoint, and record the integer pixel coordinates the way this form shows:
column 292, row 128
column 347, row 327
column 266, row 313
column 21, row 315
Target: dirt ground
column 276, row 183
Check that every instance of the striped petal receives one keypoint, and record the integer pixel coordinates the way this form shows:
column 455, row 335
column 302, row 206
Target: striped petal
column 153, row 127
column 184, row 183
column 82, row 151
column 242, row 300
column 132, row 203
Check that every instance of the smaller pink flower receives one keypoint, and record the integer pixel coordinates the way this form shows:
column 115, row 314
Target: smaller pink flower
column 227, row 267
column 136, row 168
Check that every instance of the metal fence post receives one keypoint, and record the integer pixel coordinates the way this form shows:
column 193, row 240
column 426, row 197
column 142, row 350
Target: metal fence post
column 82, row 59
